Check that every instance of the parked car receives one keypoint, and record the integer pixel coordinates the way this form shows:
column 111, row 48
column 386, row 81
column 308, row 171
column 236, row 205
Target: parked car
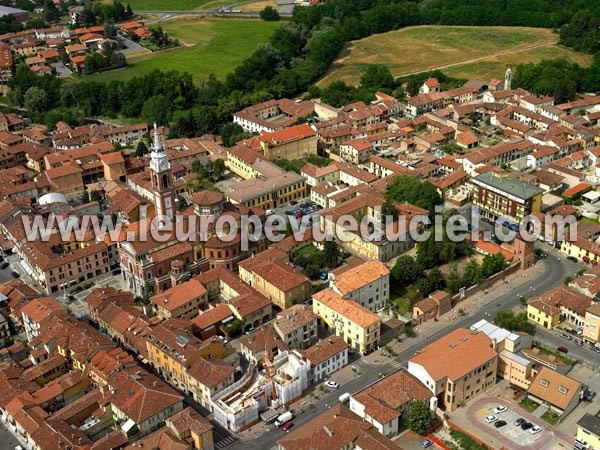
column 518, row 422
column 15, row 274
column 572, row 259
column 286, row 426
column 562, row 350
column 299, row 215
column 500, row 409
column 323, row 276
column 490, row 419
column 293, row 202
column 595, row 349
column 566, row 336
column 4, row 265
column 535, row 429
column 578, row 342
column 499, row 423
column 526, row 425
column 426, row 443
column 589, row 396
column 332, row 384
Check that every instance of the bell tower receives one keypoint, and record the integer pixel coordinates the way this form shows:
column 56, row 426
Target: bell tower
column 162, row 179
column 507, row 79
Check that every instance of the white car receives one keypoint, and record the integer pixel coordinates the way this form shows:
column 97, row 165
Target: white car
column 490, row 419
column 499, row 409
column 535, row 429
column 332, row 384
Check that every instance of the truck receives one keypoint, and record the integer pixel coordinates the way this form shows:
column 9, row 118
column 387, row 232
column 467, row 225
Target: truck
column 285, row 417
column 344, row 397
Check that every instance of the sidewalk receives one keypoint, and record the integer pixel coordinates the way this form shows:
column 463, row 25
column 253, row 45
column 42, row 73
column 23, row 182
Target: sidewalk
column 468, row 306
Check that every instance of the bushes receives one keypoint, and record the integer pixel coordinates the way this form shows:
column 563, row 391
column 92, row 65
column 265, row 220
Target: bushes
column 465, row 441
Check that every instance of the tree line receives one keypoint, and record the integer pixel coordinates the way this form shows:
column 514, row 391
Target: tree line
column 299, row 53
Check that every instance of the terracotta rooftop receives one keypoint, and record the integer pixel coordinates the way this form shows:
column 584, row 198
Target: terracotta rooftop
column 384, row 400
column 179, row 295
column 336, row 428
column 348, row 309
column 554, row 388
column 324, row 349
column 357, row 277
column 455, row 354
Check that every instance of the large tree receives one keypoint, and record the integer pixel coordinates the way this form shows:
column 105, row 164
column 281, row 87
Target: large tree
column 409, row 189
column 418, row 416
column 331, row 254
column 36, row 99
column 157, row 109
column 405, row 270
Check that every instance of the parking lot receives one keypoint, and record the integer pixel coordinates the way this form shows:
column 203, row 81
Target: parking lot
column 472, row 418
column 517, row 435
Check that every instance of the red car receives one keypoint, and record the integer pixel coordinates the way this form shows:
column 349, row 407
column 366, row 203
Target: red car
column 286, row 426
column 562, row 350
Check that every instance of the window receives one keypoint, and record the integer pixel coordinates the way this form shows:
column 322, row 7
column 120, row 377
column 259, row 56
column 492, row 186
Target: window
column 563, row 390
column 544, row 383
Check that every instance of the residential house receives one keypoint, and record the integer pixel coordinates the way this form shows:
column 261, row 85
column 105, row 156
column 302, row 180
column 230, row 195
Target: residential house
column 270, row 274
column 358, row 326
column 297, row 326
column 588, row 430
column 183, row 300
column 384, row 404
column 561, row 393
column 327, row 356
column 368, row 284
column 437, row 304
column 336, row 428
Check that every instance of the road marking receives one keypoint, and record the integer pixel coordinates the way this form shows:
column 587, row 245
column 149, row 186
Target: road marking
column 223, row 442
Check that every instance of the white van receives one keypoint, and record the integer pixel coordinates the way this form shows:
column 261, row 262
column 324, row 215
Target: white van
column 285, row 417
column 269, row 212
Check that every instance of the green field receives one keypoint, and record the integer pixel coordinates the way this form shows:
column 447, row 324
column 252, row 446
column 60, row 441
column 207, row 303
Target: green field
column 465, row 52
column 175, row 5
column 212, row 46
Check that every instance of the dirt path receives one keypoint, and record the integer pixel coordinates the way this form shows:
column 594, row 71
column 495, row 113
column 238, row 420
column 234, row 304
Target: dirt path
column 480, row 58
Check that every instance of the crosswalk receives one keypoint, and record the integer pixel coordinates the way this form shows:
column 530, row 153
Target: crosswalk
column 224, row 442
column 395, row 363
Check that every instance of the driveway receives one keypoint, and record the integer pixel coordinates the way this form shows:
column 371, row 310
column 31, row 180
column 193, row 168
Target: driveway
column 472, row 418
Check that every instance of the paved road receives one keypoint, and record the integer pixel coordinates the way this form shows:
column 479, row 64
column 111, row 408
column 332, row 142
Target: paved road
column 7, row 440
column 555, row 270
column 553, row 340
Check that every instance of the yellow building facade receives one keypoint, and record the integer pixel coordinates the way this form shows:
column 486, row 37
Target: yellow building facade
column 543, row 314
column 359, row 327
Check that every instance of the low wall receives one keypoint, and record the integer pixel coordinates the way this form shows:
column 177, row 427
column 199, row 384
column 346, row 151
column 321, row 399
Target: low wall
column 514, row 267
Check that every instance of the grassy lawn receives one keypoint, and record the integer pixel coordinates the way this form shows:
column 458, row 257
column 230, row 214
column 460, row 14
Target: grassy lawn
column 423, row 48
column 212, row 46
column 403, row 296
column 528, row 405
column 551, row 417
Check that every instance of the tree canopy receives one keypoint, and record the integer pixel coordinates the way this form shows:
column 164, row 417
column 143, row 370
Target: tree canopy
column 506, row 318
column 418, row 416
column 409, row 189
